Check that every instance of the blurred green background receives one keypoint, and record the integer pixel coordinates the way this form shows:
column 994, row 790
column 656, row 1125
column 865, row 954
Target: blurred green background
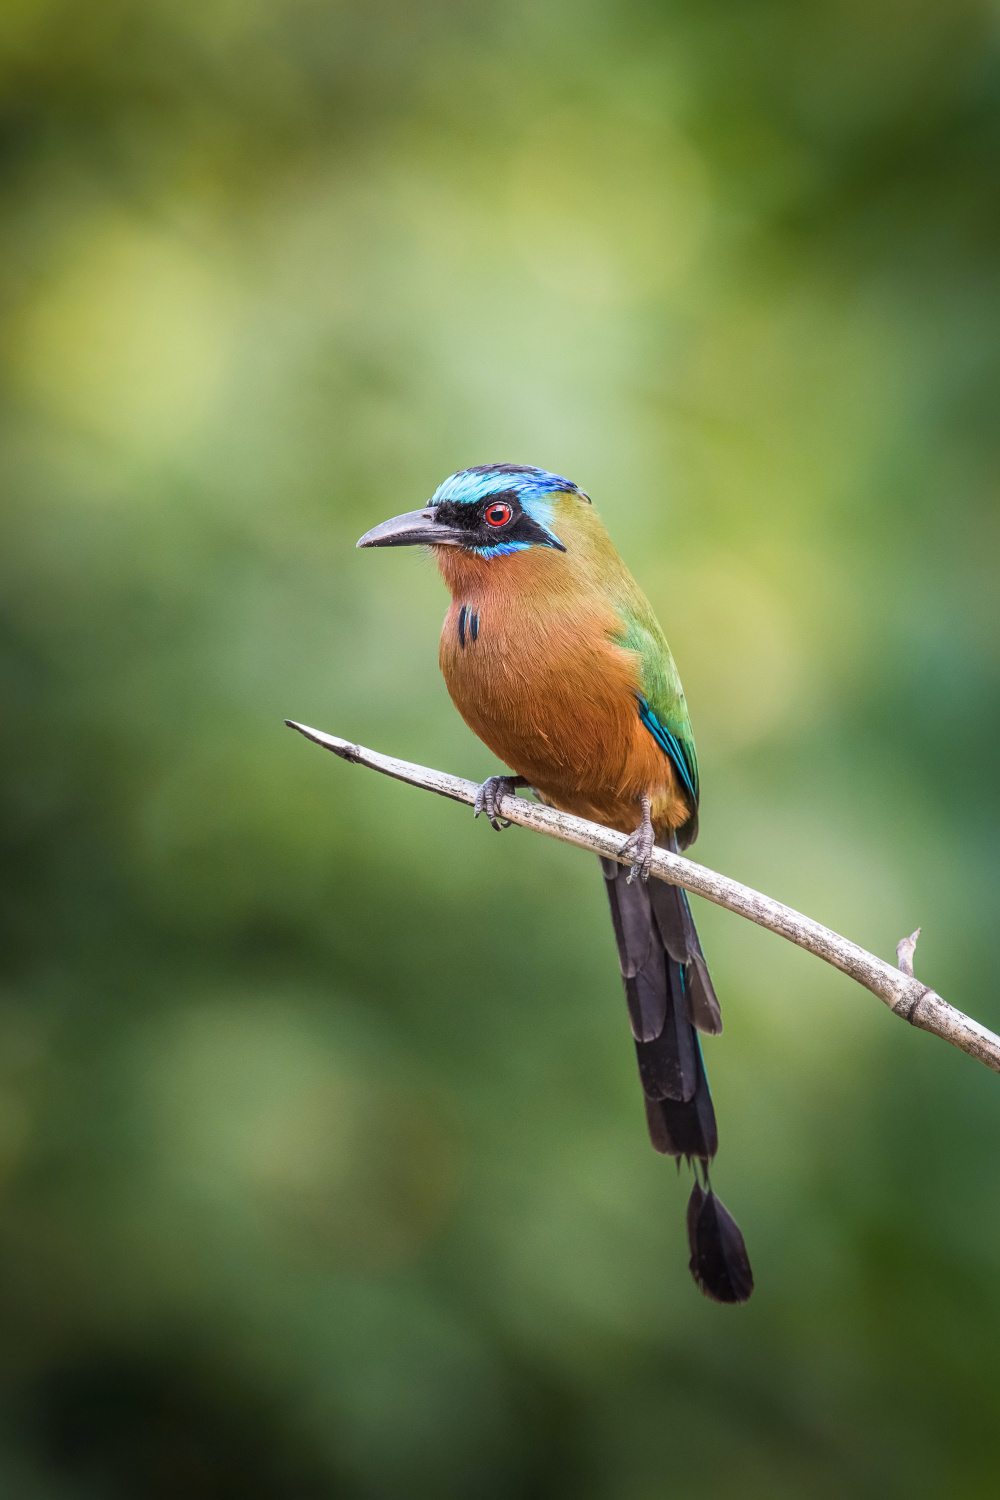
column 323, row 1171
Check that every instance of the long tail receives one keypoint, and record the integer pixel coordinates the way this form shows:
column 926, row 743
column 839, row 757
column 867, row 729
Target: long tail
column 670, row 999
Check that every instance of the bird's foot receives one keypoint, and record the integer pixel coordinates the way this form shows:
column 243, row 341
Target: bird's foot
column 639, row 847
column 489, row 795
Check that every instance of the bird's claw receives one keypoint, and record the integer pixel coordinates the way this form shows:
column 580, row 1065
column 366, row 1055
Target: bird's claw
column 488, row 798
column 639, row 847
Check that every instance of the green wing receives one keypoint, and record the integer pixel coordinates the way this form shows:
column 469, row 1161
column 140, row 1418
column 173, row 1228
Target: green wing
column 660, row 704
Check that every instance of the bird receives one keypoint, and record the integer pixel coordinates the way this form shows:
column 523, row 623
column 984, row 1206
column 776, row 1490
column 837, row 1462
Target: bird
column 553, row 656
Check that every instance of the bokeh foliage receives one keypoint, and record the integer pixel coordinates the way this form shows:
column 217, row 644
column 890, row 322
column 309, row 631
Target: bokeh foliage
column 322, row 1160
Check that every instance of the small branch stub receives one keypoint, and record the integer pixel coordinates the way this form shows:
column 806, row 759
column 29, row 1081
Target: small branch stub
column 905, row 949
column 895, row 986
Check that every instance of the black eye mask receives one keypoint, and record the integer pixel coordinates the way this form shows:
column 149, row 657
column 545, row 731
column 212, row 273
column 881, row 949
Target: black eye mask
column 470, row 519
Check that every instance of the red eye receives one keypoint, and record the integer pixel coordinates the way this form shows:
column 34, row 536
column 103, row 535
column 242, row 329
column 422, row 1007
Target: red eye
column 499, row 514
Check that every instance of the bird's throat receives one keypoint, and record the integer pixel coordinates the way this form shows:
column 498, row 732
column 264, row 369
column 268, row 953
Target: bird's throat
column 471, row 577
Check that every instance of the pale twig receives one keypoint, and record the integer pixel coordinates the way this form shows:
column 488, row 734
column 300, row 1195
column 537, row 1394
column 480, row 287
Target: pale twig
column 902, row 993
column 905, row 949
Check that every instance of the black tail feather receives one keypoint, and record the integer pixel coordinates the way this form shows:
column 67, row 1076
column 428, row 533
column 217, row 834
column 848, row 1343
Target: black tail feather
column 719, row 1261
column 670, row 998
column 640, row 959
column 664, row 994
column 673, row 918
column 668, row 1065
column 688, row 1127
column 677, row 931
column 702, row 1004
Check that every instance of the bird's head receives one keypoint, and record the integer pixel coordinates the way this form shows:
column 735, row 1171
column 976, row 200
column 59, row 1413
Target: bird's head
column 491, row 511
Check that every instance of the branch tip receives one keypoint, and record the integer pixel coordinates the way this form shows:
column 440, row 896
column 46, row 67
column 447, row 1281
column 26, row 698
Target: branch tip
column 343, row 748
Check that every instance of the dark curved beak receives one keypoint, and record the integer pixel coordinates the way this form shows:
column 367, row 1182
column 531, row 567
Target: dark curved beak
column 414, row 529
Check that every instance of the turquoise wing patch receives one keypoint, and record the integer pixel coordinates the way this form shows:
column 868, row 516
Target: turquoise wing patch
column 687, row 767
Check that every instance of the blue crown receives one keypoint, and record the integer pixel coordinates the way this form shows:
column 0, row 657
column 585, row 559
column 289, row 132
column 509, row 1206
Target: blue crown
column 470, row 485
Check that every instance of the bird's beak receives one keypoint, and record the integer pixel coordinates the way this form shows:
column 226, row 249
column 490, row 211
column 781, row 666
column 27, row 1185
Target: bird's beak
column 416, row 528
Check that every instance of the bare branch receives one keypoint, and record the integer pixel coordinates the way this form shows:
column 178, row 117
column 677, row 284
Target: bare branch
column 905, row 996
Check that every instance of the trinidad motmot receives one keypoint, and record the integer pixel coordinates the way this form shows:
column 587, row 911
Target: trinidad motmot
column 554, row 658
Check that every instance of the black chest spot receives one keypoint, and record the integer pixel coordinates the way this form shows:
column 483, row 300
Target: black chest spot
column 468, row 626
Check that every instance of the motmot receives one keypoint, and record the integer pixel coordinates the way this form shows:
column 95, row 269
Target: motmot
column 554, row 658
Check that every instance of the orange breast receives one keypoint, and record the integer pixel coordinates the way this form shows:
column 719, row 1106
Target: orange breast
column 534, row 673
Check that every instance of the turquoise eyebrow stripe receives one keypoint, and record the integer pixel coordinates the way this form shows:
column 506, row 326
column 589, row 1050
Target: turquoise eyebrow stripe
column 672, row 745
